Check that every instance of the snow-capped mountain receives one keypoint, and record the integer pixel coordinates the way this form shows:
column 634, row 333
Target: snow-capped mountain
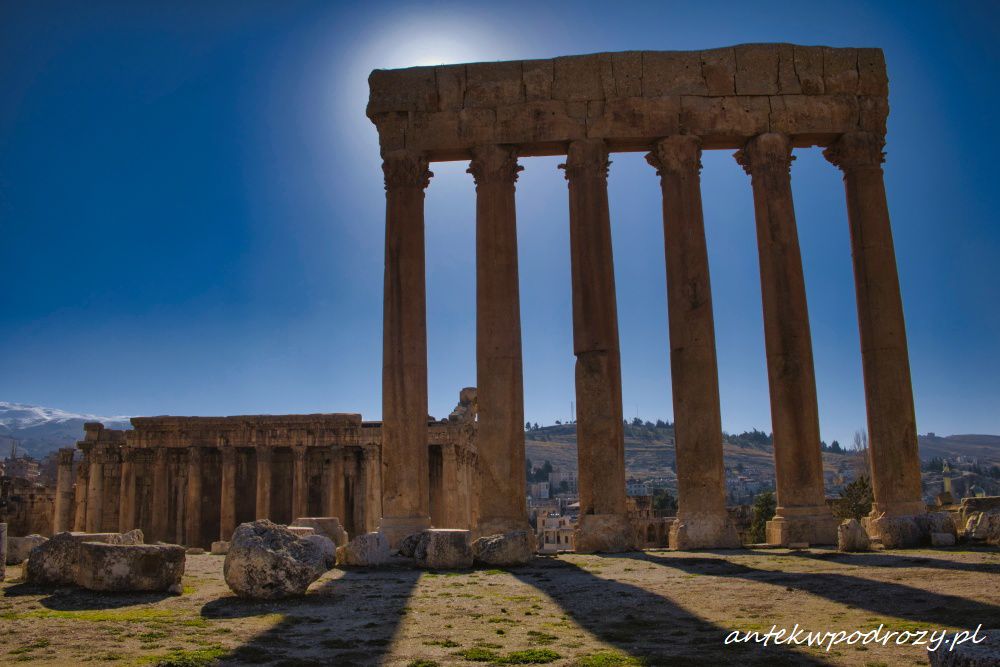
column 41, row 430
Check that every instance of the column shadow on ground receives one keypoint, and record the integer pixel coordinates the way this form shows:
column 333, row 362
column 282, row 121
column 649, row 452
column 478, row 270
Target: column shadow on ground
column 645, row 625
column 887, row 560
column 65, row 598
column 881, row 597
column 346, row 621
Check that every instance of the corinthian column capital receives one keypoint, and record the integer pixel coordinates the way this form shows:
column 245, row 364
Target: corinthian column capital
column 405, row 169
column 766, row 153
column 494, row 164
column 857, row 150
column 586, row 158
column 677, row 154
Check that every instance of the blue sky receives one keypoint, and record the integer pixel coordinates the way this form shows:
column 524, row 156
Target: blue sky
column 191, row 209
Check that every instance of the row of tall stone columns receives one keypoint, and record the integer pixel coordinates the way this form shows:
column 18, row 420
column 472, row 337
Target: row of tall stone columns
column 702, row 521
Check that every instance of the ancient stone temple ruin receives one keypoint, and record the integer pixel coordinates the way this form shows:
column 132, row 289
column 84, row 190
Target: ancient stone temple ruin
column 192, row 480
column 761, row 100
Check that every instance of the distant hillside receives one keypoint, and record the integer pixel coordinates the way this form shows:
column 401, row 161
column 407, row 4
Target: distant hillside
column 43, row 430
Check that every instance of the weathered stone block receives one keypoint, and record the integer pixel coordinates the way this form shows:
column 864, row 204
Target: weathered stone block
column 672, row 73
column 451, row 84
column 756, row 69
column 703, row 531
column 725, row 116
column 300, row 531
column 437, row 130
column 220, row 548
column 872, row 78
column 327, row 548
column 411, row 89
column 56, row 562
column 788, row 81
column 267, row 561
column 408, row 545
column 18, row 548
column 537, row 122
column 797, row 114
column 368, row 550
column 506, row 549
column 635, row 117
column 627, row 70
column 391, row 130
column 840, row 70
column 133, row 567
column 981, row 650
column 477, row 126
column 444, row 549
column 194, row 551
column 537, row 77
column 603, row 533
column 809, row 69
column 325, row 525
column 718, row 68
column 582, row 78
column 851, row 536
column 493, row 84
column 873, row 112
column 942, row 540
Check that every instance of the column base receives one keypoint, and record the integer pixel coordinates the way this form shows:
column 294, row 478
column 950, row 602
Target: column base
column 899, row 531
column 395, row 528
column 798, row 525
column 604, row 533
column 703, row 531
column 500, row 526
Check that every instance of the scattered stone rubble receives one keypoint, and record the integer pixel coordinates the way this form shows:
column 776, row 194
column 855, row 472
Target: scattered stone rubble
column 269, row 561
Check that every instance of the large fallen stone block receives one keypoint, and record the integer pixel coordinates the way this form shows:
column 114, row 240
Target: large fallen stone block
column 444, row 549
column 942, row 540
column 603, row 533
column 267, row 561
column 56, row 562
column 327, row 548
column 324, row 525
column 984, row 526
column 985, row 653
column 507, row 549
column 132, row 567
column 408, row 545
column 851, row 536
column 220, row 548
column 18, row 548
column 368, row 550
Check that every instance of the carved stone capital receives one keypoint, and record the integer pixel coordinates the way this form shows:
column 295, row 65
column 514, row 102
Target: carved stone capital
column 228, row 454
column 857, row 150
column 299, row 452
column 264, row 454
column 679, row 154
column 586, row 158
column 160, row 455
column 766, row 153
column 129, row 455
column 494, row 164
column 194, row 455
column 405, row 169
column 66, row 457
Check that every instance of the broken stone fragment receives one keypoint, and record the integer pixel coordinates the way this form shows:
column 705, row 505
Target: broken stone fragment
column 505, row 550
column 444, row 549
column 368, row 550
column 268, row 561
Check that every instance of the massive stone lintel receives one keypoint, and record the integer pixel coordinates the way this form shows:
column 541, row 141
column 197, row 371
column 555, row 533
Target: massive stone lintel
column 813, row 94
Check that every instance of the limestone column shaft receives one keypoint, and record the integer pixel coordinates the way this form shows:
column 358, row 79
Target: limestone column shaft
column 892, row 430
column 300, row 486
column 264, row 481
column 451, row 495
column 95, row 491
column 335, row 484
column 405, row 491
column 702, row 520
column 500, row 386
column 600, row 435
column 372, row 491
column 161, row 494
column 791, row 376
column 62, row 516
column 227, row 495
column 126, row 496
column 192, row 527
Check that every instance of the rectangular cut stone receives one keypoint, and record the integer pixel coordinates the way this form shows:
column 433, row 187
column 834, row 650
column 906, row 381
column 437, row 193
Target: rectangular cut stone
column 493, row 84
column 757, row 69
column 477, row 126
column 872, row 78
column 636, row 118
column 581, row 78
column 814, row 114
column 873, row 112
column 411, row 89
column 788, row 82
column 537, row 78
column 809, row 69
column 438, row 130
column 542, row 122
column 716, row 117
column 450, row 87
column 718, row 68
column 627, row 68
column 840, row 70
column 672, row 73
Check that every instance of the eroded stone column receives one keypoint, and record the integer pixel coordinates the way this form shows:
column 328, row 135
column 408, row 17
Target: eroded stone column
column 802, row 514
column 405, row 492
column 702, row 521
column 192, row 523
column 451, row 494
column 603, row 524
column 126, row 496
column 498, row 346
column 161, row 494
column 95, row 490
column 80, row 493
column 264, row 480
column 300, row 487
column 373, row 492
column 892, row 430
column 62, row 516
column 227, row 502
column 335, row 484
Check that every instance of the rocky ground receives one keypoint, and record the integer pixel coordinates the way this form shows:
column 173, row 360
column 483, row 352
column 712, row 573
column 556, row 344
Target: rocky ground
column 650, row 608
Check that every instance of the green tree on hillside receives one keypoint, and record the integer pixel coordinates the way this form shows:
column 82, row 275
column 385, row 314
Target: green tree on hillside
column 855, row 500
column 764, row 507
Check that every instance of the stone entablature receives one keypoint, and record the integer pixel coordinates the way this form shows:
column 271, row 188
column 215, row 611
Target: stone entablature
column 725, row 96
